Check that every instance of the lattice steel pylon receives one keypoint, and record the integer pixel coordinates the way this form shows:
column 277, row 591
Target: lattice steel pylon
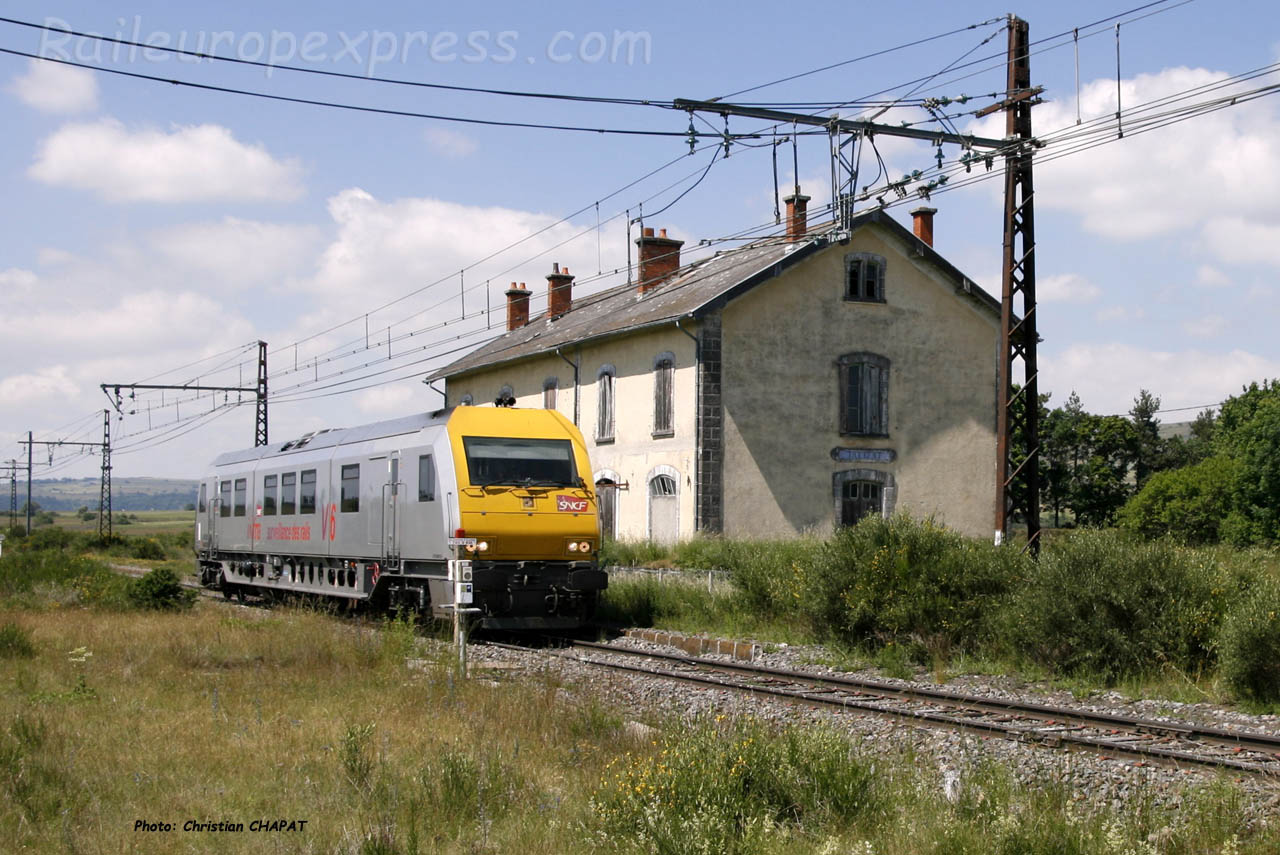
column 260, row 428
column 105, row 528
column 1018, row 414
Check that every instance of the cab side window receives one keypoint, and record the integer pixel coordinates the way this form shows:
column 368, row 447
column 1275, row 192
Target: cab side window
column 426, row 478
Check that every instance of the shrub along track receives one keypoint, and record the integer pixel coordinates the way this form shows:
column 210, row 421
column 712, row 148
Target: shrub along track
column 1116, row 736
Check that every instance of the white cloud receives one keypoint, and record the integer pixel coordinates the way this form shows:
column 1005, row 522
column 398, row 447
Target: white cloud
column 449, row 143
column 1211, row 276
column 187, row 164
column 53, row 88
column 1066, row 288
column 1108, row 376
column 1114, row 314
column 134, row 323
column 389, row 401
column 15, row 280
column 1238, row 240
column 1209, row 326
column 239, row 254
column 1174, row 179
column 386, row 249
column 23, row 390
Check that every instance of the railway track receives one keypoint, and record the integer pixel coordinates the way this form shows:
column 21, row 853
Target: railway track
column 1120, row 737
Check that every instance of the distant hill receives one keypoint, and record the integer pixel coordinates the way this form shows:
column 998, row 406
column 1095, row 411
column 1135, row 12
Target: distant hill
column 127, row 494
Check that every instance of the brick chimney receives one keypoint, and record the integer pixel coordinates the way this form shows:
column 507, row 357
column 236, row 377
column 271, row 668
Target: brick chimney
column 922, row 223
column 559, row 292
column 797, row 215
column 517, row 306
column 659, row 258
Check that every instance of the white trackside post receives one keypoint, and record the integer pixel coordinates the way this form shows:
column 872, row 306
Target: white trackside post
column 460, row 576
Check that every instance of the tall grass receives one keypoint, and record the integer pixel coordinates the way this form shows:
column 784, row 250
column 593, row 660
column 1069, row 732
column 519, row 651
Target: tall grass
column 209, row 715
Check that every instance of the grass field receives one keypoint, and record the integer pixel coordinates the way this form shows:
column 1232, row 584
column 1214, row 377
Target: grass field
column 141, row 522
column 113, row 723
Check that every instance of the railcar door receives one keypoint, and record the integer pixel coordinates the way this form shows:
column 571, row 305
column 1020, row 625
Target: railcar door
column 390, row 513
column 205, row 514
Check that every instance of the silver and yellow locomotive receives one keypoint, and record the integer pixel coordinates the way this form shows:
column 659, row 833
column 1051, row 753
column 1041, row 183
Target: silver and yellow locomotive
column 491, row 505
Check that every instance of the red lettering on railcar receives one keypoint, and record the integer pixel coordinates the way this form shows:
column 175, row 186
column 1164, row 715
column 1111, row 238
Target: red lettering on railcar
column 329, row 523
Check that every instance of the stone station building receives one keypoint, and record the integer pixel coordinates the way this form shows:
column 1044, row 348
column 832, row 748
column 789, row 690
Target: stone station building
column 796, row 383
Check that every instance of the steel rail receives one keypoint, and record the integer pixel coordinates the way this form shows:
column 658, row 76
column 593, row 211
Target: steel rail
column 1252, row 741
column 1002, row 729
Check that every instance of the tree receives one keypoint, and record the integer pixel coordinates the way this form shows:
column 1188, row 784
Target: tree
column 1148, row 447
column 1188, row 451
column 1100, row 484
column 1249, row 432
column 1060, row 453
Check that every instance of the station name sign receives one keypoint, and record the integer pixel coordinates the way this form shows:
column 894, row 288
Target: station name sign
column 863, row 455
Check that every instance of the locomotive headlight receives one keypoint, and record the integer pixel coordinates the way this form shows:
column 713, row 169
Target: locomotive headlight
column 470, row 547
column 482, row 546
column 584, row 547
column 573, row 547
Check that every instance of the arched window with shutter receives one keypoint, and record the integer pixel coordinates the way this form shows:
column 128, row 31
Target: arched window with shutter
column 604, row 403
column 864, row 394
column 664, row 375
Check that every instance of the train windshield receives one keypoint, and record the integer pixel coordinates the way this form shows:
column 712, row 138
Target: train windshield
column 495, row 460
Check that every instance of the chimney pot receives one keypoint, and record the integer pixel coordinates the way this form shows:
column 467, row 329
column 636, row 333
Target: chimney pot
column 797, row 215
column 659, row 259
column 922, row 223
column 559, row 291
column 517, row 306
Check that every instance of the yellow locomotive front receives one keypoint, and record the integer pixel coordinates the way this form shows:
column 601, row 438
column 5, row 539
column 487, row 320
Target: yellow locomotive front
column 526, row 514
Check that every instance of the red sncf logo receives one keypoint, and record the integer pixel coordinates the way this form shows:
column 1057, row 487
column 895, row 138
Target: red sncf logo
column 571, row 504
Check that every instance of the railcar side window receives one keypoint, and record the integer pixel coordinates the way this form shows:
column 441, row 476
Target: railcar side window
column 308, row 497
column 269, row 495
column 351, row 488
column 224, row 499
column 203, row 494
column 242, row 487
column 288, row 493
column 426, row 479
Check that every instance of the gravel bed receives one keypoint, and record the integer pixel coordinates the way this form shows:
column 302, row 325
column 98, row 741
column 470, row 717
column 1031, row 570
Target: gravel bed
column 952, row 759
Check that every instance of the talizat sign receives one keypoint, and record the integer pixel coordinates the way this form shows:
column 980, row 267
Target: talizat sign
column 864, row 455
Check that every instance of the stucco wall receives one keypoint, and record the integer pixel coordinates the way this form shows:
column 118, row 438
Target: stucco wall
column 634, row 454
column 781, row 394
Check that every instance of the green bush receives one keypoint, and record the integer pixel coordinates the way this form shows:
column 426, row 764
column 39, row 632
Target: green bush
column 160, row 589
column 1111, row 605
column 55, row 538
column 15, row 642
column 1249, row 644
column 907, row 580
column 1188, row 504
column 147, row 548
column 733, row 789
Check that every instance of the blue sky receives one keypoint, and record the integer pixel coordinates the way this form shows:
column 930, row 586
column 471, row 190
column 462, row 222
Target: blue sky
column 150, row 226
